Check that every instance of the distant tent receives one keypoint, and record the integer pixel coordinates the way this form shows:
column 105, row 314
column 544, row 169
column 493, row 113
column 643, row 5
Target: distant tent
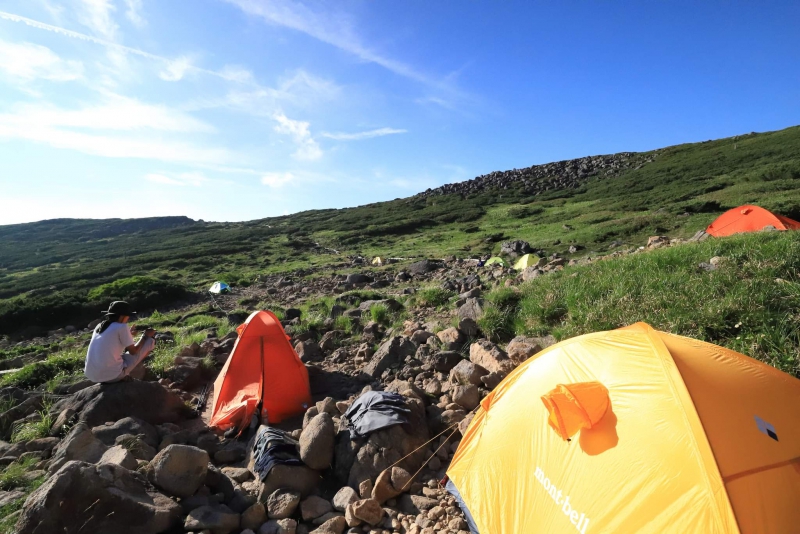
column 262, row 366
column 219, row 287
column 377, row 261
column 528, row 260
column 749, row 219
column 496, row 261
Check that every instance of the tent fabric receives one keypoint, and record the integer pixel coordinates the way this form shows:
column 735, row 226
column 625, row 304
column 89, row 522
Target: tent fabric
column 575, row 406
column 749, row 219
column 528, row 260
column 219, row 287
column 685, row 445
column 495, row 260
column 263, row 365
column 377, row 261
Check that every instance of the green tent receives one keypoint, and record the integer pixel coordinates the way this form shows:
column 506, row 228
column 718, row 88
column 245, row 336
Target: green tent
column 496, row 261
column 528, row 260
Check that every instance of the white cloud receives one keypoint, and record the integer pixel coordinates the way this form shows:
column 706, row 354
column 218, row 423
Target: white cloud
column 329, row 27
column 307, row 147
column 194, row 179
column 118, row 128
column 96, row 14
column 380, row 132
column 134, row 13
column 236, row 73
column 28, row 61
column 277, row 179
column 176, row 69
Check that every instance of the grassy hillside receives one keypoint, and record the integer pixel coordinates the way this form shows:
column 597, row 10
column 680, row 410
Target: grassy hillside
column 62, row 263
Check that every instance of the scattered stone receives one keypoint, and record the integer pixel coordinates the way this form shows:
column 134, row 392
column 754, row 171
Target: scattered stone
column 466, row 372
column 217, row 519
column 343, row 497
column 471, row 309
column 317, row 442
column 467, row 397
column 282, row 503
column 314, row 507
column 180, row 470
column 490, row 357
column 254, row 516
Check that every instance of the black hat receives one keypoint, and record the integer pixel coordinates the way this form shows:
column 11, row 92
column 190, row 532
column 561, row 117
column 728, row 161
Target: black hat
column 120, row 307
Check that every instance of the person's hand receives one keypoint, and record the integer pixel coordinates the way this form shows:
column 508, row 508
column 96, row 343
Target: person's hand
column 150, row 332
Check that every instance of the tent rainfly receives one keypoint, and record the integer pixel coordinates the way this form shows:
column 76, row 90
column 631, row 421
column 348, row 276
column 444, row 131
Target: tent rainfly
column 219, row 287
column 377, row 261
column 262, row 369
column 749, row 219
column 634, row 430
column 496, row 261
column 528, row 260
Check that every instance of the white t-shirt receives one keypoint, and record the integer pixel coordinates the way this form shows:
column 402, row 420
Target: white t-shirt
column 104, row 357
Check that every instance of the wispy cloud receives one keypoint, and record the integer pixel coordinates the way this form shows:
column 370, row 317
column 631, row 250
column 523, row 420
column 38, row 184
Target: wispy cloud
column 97, row 15
column 176, row 69
column 134, row 13
column 330, row 27
column 380, row 132
column 117, row 128
column 27, row 61
column 194, row 179
column 277, row 179
column 234, row 75
column 307, row 147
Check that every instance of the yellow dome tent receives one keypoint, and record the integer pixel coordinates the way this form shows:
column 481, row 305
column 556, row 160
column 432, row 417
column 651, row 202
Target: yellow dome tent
column 666, row 434
column 377, row 261
column 528, row 260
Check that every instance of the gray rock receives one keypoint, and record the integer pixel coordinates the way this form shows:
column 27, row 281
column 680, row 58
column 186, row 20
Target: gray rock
column 490, row 357
column 391, row 353
column 80, row 444
column 120, row 456
column 335, row 525
column 180, row 470
column 424, row 267
column 466, row 372
column 452, row 339
column 254, row 517
column 343, row 497
column 317, row 442
column 217, row 519
column 471, row 309
column 468, row 326
column 521, row 348
column 282, row 503
column 444, row 361
column 279, row 526
column 314, row 507
column 467, row 396
column 97, row 498
column 515, row 249
column 128, row 425
column 358, row 278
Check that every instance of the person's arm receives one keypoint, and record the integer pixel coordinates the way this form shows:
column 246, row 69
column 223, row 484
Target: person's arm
column 127, row 340
column 135, row 348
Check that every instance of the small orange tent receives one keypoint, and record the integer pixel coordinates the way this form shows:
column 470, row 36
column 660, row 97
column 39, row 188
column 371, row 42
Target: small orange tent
column 263, row 365
column 634, row 430
column 749, row 219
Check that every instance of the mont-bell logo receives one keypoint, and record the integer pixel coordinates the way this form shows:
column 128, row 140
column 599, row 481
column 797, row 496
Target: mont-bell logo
column 766, row 428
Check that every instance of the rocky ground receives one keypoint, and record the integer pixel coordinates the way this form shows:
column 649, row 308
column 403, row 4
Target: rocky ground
column 136, row 457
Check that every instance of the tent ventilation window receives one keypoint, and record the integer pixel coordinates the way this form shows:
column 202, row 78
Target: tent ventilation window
column 576, row 406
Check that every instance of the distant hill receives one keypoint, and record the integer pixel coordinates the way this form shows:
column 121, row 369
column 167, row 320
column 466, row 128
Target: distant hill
column 593, row 203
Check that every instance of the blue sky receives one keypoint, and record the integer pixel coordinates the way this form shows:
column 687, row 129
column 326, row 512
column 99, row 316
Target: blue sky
column 239, row 109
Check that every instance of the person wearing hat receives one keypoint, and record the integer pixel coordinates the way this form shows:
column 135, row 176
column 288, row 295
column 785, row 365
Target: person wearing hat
column 112, row 353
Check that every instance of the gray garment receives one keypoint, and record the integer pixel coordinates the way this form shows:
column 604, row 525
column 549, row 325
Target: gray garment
column 375, row 410
column 132, row 360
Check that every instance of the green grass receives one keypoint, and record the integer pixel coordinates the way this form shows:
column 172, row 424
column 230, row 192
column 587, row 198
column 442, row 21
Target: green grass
column 433, row 297
column 65, row 363
column 51, row 271
column 380, row 314
column 750, row 304
column 40, row 428
column 13, row 477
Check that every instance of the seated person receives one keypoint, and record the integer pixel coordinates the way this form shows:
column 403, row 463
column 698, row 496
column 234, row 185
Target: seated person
column 112, row 353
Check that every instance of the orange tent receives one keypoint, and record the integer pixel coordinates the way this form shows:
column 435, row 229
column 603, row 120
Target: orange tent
column 749, row 219
column 634, row 430
column 262, row 366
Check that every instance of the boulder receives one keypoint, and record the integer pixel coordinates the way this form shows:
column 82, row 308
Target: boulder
column 254, row 516
column 391, row 483
column 466, row 372
column 531, row 273
column 335, row 525
column 391, row 353
column 521, row 348
column 390, row 304
column 468, row 326
column 180, row 470
column 108, row 433
column 279, row 526
column 471, row 309
column 299, row 478
column 148, row 401
column 81, row 497
column 467, row 396
column 415, row 504
column 308, row 351
column 492, row 380
column 80, row 444
column 368, row 511
column 358, row 278
column 452, row 339
column 120, row 456
column 217, row 519
column 444, row 361
column 292, row 313
column 343, row 497
column 282, row 503
column 424, row 267
column 491, row 357
column 314, row 507
column 515, row 248
column 317, row 442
